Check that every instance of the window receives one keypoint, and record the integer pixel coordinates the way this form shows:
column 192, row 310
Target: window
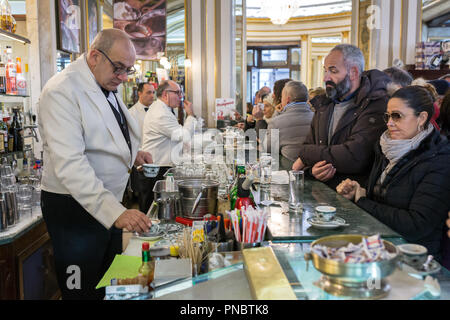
column 265, row 65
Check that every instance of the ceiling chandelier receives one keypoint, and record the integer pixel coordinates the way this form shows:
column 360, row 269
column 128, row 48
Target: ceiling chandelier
column 280, row 11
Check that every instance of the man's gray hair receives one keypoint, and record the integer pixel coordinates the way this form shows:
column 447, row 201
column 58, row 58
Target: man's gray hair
column 353, row 57
column 162, row 87
column 297, row 91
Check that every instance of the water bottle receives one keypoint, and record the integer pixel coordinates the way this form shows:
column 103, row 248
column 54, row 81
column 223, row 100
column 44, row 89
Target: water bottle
column 170, row 183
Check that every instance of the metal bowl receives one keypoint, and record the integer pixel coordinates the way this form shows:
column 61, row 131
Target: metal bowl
column 352, row 272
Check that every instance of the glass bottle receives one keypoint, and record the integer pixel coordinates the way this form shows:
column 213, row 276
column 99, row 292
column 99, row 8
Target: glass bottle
column 3, row 21
column 21, row 82
column 16, row 131
column 146, row 269
column 11, row 86
column 170, row 183
column 234, row 189
column 2, row 75
column 8, row 17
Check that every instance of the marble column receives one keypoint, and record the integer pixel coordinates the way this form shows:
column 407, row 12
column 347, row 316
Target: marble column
column 305, row 64
column 210, row 34
column 41, row 30
column 392, row 29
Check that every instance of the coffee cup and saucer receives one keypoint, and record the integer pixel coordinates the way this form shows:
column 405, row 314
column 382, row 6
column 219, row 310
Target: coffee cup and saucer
column 325, row 218
column 416, row 260
column 150, row 170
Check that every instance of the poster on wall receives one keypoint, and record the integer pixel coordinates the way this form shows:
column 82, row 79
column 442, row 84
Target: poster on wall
column 69, row 18
column 145, row 23
column 225, row 108
column 92, row 20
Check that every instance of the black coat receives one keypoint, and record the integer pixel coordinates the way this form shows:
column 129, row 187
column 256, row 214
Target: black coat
column 414, row 199
column 351, row 147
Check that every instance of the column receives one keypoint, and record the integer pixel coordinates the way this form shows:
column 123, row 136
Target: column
column 304, row 58
column 345, row 37
column 210, row 34
column 41, row 30
column 411, row 29
column 390, row 30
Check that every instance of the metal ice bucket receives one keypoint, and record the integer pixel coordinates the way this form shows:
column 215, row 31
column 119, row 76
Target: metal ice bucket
column 166, row 205
column 198, row 197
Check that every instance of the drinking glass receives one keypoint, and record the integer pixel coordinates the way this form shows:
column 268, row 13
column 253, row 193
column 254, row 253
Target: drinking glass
column 296, row 187
column 266, row 169
column 24, row 200
column 35, row 182
column 8, row 178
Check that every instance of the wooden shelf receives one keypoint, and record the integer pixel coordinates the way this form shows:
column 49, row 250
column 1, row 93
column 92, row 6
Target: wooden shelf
column 11, row 98
column 13, row 36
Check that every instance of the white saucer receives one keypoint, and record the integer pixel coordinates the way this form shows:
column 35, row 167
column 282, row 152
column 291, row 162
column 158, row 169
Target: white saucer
column 149, row 236
column 435, row 267
column 333, row 224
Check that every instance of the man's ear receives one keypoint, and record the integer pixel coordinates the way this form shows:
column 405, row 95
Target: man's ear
column 354, row 73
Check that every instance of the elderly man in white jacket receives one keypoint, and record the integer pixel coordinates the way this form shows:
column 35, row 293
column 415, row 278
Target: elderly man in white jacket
column 163, row 135
column 90, row 144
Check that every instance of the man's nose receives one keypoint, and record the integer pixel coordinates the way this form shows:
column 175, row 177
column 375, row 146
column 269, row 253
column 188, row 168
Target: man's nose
column 123, row 77
column 326, row 77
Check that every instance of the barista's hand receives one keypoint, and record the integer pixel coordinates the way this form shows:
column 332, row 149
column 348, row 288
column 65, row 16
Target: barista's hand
column 188, row 108
column 133, row 220
column 323, row 171
column 143, row 157
column 347, row 189
column 298, row 165
column 257, row 113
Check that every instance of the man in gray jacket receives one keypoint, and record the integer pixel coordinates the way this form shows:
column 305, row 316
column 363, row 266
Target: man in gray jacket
column 293, row 123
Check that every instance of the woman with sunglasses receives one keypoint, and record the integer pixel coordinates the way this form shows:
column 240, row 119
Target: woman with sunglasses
column 409, row 185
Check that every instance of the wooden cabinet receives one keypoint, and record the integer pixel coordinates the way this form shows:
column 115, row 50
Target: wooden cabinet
column 27, row 267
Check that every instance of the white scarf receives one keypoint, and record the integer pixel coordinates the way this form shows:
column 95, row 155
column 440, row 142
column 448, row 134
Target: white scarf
column 394, row 150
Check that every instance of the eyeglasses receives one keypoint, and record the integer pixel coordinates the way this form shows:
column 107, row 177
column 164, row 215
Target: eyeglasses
column 119, row 70
column 177, row 92
column 396, row 116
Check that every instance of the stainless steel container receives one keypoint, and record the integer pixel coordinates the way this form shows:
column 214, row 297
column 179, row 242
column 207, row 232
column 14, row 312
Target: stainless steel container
column 353, row 279
column 11, row 208
column 3, row 214
column 198, row 197
column 167, row 205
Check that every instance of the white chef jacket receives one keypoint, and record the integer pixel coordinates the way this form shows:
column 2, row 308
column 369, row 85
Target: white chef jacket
column 163, row 135
column 138, row 112
column 85, row 152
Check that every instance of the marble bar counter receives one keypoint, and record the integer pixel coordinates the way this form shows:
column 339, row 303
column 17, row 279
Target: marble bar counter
column 286, row 226
column 23, row 226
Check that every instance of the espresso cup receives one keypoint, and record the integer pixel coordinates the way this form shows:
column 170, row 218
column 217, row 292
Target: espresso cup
column 413, row 255
column 150, row 170
column 325, row 213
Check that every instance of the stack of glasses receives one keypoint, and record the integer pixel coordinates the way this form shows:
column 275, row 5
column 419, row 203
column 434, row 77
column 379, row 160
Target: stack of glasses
column 9, row 213
column 17, row 200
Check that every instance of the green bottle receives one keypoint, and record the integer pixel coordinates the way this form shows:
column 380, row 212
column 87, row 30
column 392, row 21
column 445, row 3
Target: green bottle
column 234, row 190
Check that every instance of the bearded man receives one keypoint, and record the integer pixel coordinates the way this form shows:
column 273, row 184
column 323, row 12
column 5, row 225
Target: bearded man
column 348, row 120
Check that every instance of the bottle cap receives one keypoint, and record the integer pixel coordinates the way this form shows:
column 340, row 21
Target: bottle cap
column 145, row 246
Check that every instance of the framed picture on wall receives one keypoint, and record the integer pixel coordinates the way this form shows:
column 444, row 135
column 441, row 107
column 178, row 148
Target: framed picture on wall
column 69, row 25
column 91, row 20
column 145, row 23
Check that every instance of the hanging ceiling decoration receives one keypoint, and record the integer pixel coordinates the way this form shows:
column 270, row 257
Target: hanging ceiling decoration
column 280, row 11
